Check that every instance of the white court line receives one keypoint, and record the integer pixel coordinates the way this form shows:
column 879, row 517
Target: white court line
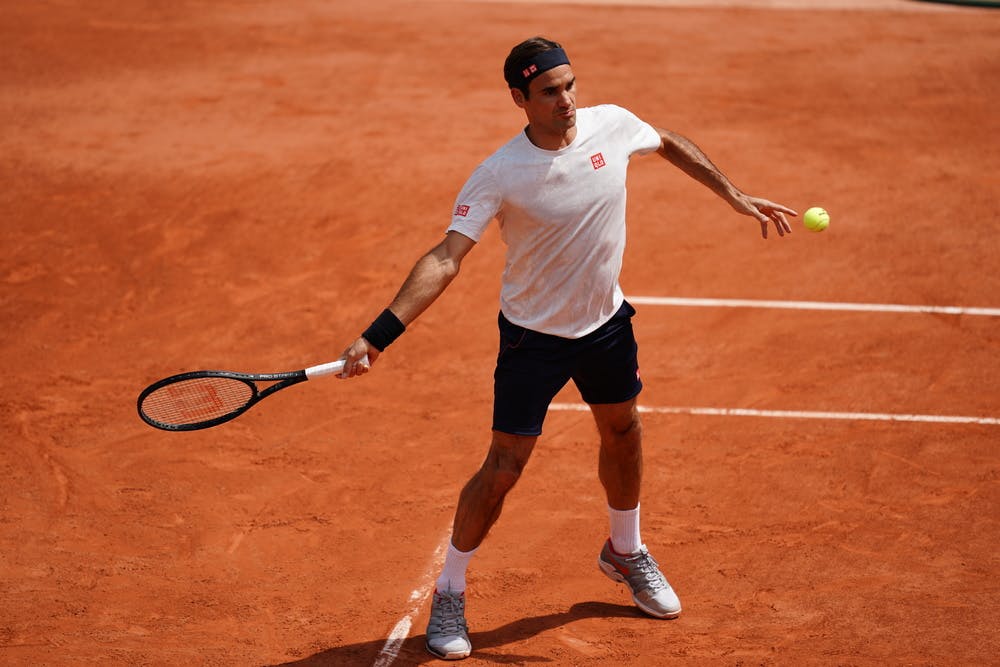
column 811, row 5
column 810, row 305
column 419, row 595
column 795, row 414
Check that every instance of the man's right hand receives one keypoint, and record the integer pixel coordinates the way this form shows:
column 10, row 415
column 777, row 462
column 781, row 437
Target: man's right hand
column 358, row 358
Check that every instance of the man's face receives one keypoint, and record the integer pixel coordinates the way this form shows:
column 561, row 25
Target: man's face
column 551, row 106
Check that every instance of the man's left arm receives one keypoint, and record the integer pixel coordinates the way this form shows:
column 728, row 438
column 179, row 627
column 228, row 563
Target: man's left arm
column 690, row 159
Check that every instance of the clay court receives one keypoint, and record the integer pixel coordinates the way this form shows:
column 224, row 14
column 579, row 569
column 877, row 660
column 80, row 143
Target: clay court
column 244, row 185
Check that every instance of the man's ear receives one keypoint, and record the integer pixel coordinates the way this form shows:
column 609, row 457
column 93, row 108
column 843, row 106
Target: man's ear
column 517, row 96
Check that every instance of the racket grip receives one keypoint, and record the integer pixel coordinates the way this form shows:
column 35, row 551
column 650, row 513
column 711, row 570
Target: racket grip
column 328, row 369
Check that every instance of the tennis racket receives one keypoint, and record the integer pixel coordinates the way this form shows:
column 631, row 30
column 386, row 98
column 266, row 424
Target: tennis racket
column 202, row 399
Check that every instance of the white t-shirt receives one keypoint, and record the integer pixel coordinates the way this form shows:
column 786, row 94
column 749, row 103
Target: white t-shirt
column 562, row 216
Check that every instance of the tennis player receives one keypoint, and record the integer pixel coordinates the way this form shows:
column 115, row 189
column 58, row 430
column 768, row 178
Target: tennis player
column 557, row 190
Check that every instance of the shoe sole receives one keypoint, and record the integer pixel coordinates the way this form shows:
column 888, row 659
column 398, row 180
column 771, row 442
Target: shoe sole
column 454, row 655
column 614, row 575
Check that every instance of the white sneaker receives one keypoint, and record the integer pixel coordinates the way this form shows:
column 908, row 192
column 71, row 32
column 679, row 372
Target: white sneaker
column 447, row 631
column 650, row 590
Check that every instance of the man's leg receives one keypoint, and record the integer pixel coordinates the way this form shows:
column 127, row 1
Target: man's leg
column 479, row 507
column 624, row 557
column 531, row 368
column 620, row 462
column 480, row 503
column 482, row 498
column 620, row 470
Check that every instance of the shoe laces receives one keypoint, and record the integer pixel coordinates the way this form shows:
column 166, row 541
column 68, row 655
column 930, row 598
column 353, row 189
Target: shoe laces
column 647, row 566
column 449, row 613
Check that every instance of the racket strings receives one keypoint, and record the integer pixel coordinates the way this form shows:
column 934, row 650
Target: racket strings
column 196, row 400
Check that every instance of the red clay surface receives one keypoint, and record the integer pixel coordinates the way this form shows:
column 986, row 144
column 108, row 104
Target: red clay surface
column 243, row 185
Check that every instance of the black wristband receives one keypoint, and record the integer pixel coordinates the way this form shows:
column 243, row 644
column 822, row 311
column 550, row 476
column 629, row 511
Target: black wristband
column 385, row 329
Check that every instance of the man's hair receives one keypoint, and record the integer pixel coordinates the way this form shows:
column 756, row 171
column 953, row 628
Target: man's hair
column 521, row 53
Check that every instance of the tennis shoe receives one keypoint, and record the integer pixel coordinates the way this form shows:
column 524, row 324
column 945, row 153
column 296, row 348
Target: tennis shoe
column 650, row 590
column 447, row 631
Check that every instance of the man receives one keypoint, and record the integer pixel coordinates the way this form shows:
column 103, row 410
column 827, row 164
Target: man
column 558, row 192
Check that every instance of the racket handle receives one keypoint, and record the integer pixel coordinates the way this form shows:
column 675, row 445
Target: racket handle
column 328, row 369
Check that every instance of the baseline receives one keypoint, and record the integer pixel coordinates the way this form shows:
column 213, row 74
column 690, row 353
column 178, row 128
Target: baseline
column 809, row 5
column 795, row 414
column 810, row 305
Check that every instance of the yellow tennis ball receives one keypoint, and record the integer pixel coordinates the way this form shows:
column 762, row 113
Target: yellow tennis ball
column 816, row 219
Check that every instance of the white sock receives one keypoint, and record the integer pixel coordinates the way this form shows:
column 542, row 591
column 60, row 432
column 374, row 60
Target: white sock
column 625, row 537
column 452, row 577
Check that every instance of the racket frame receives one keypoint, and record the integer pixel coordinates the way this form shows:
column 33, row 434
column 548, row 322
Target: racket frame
column 280, row 380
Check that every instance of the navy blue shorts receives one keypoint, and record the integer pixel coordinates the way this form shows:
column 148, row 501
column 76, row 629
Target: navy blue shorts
column 532, row 367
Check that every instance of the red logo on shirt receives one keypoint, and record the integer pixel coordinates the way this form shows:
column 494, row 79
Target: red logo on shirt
column 597, row 160
column 462, row 210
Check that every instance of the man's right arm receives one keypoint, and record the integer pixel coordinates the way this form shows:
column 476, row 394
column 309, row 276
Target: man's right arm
column 426, row 282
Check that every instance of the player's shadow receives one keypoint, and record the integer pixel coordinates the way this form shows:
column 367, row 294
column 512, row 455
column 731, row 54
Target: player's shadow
column 413, row 652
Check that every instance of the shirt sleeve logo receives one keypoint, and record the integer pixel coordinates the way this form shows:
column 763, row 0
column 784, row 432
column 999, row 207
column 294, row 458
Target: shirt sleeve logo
column 462, row 210
column 597, row 160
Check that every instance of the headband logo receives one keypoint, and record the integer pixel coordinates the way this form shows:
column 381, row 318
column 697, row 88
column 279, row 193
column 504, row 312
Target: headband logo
column 528, row 71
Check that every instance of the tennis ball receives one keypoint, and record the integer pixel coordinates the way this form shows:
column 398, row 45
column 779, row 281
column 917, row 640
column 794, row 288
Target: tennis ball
column 816, row 219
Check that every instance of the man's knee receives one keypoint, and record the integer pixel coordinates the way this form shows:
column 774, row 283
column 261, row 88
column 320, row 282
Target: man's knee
column 628, row 427
column 505, row 462
column 619, row 425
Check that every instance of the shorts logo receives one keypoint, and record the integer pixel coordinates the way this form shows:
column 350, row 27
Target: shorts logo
column 528, row 71
column 597, row 160
column 462, row 210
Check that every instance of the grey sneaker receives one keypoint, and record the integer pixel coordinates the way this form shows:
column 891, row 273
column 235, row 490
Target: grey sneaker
column 447, row 631
column 650, row 590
